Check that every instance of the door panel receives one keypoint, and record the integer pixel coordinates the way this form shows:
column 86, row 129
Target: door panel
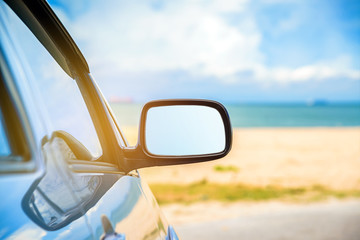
column 43, row 206
column 129, row 211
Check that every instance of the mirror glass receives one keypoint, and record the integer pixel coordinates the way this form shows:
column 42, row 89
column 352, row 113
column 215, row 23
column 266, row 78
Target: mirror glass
column 184, row 130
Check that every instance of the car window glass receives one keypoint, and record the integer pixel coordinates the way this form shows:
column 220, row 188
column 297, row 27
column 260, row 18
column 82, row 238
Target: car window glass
column 57, row 95
column 4, row 145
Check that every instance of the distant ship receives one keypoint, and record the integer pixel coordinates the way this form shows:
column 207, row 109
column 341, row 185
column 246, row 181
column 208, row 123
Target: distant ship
column 317, row 102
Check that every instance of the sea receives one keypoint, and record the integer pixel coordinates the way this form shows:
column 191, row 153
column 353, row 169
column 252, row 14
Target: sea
column 267, row 115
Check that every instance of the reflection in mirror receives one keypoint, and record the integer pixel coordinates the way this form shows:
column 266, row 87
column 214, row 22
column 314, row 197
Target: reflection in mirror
column 184, row 130
column 61, row 196
column 53, row 205
column 52, row 200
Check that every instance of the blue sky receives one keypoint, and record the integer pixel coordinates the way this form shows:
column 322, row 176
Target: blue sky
column 231, row 51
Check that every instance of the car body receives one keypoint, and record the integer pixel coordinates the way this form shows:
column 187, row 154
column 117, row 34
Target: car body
column 66, row 169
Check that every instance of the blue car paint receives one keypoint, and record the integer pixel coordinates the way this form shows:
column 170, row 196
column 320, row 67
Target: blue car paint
column 15, row 224
column 128, row 204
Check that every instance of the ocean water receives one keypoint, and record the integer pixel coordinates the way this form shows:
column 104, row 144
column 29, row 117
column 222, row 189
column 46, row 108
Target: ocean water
column 267, row 115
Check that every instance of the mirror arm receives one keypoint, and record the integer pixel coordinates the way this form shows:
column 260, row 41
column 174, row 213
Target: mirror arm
column 135, row 158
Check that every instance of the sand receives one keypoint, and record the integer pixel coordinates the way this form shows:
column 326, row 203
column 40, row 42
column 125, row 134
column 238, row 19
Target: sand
column 180, row 214
column 289, row 157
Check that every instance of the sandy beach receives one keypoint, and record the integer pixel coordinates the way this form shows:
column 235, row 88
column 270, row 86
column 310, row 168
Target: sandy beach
column 284, row 157
column 290, row 157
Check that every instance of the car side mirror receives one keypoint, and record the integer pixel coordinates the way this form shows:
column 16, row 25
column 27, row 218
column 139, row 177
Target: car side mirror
column 179, row 132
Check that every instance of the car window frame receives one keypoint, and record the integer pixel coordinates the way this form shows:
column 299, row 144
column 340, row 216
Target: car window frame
column 112, row 140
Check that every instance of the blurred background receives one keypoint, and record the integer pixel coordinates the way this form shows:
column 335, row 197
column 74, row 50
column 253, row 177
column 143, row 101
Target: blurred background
column 288, row 73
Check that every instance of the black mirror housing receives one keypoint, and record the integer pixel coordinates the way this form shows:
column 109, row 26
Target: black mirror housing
column 198, row 146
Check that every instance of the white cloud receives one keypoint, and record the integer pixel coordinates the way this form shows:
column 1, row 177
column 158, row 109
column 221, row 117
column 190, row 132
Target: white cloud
column 186, row 35
column 337, row 68
column 182, row 35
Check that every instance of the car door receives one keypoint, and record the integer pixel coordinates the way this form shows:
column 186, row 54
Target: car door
column 38, row 197
column 76, row 185
column 30, row 187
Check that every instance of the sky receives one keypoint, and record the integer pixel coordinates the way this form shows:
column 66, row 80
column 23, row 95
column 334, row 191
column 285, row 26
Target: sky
column 235, row 51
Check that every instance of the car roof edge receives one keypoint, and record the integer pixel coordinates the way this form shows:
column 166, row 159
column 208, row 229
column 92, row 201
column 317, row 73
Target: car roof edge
column 48, row 29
